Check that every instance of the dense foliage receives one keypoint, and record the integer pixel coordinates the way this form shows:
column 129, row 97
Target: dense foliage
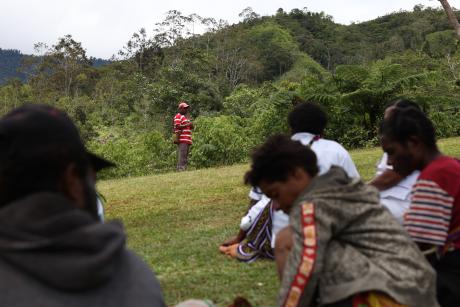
column 242, row 80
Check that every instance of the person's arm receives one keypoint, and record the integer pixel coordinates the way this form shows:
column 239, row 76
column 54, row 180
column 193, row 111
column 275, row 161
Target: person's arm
column 236, row 239
column 185, row 122
column 427, row 220
column 386, row 180
column 246, row 222
column 283, row 246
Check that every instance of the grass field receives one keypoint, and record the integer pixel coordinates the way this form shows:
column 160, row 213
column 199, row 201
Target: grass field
column 176, row 221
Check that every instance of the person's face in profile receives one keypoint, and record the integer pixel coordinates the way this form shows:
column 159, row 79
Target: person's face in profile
column 284, row 193
column 404, row 157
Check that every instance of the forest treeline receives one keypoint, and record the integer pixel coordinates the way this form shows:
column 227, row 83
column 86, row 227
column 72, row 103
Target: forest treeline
column 241, row 81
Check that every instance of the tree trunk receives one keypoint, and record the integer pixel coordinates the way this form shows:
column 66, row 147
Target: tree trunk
column 451, row 16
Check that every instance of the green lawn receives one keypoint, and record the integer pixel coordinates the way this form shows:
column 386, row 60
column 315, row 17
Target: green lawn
column 176, row 221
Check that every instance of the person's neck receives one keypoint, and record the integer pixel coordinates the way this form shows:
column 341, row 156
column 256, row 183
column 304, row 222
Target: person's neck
column 430, row 156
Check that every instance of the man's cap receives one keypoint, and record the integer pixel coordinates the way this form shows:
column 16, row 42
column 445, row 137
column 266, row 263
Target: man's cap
column 35, row 130
column 183, row 105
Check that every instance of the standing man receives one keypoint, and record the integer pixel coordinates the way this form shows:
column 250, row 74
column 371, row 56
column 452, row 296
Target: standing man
column 433, row 218
column 183, row 129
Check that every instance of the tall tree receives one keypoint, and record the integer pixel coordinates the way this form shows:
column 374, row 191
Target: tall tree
column 63, row 68
column 451, row 16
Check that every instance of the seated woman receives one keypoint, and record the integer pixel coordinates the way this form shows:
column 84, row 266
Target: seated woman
column 347, row 249
column 394, row 188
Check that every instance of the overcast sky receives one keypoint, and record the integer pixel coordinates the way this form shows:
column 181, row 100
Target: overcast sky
column 104, row 26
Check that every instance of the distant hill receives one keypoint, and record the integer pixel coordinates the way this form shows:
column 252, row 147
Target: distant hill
column 11, row 60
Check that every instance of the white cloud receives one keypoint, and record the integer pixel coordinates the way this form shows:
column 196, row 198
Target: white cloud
column 104, row 26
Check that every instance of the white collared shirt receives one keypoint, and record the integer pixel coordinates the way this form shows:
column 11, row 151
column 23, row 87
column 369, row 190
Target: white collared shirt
column 328, row 153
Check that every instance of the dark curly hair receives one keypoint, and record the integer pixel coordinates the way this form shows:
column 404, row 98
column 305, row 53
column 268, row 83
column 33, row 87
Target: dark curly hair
column 277, row 158
column 307, row 117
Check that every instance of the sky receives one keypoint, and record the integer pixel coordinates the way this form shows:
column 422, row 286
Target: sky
column 104, row 26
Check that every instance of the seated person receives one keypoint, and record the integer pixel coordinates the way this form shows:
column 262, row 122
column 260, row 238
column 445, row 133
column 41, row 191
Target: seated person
column 307, row 122
column 54, row 252
column 394, row 188
column 433, row 218
column 347, row 249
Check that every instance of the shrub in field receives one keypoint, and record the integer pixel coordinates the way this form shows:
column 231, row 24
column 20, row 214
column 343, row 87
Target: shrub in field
column 135, row 155
column 270, row 116
column 220, row 140
column 240, row 101
column 447, row 124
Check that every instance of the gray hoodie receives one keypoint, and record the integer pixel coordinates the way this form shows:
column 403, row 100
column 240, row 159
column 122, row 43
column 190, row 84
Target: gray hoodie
column 52, row 254
column 358, row 246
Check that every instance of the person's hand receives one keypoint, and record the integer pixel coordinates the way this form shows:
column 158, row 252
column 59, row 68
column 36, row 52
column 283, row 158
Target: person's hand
column 276, row 205
column 231, row 241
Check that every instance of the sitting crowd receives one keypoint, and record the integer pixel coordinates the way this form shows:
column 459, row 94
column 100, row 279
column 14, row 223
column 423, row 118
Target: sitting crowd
column 337, row 241
column 340, row 242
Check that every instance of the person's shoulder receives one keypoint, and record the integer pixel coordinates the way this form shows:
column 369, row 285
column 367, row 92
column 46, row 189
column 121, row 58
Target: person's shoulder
column 443, row 165
column 444, row 172
column 139, row 276
column 336, row 146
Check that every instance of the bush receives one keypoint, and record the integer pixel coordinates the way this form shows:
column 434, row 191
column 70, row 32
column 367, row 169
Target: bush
column 445, row 123
column 220, row 140
column 135, row 155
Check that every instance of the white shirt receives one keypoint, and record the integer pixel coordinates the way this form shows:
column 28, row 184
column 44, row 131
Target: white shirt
column 328, row 153
column 397, row 198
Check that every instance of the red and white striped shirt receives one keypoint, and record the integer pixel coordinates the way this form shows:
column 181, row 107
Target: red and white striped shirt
column 182, row 125
column 434, row 213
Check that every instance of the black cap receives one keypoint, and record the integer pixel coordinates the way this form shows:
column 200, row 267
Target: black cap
column 33, row 130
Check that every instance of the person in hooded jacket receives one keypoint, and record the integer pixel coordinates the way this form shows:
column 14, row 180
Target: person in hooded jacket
column 347, row 250
column 53, row 250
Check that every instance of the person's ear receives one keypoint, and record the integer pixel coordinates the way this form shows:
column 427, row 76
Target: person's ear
column 299, row 173
column 72, row 185
column 414, row 143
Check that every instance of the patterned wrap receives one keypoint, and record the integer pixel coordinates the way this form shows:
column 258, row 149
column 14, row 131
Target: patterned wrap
column 258, row 238
column 350, row 244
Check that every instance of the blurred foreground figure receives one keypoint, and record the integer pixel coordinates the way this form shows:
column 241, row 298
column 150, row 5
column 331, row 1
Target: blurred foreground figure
column 433, row 218
column 347, row 249
column 53, row 250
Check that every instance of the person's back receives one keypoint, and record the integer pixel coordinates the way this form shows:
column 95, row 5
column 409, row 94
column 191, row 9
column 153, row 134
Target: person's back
column 359, row 246
column 53, row 250
column 329, row 153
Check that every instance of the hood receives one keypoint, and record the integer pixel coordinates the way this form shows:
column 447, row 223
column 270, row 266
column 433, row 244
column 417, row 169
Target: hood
column 45, row 236
column 336, row 185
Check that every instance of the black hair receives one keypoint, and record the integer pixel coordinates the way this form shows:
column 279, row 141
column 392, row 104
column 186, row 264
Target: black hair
column 277, row 158
column 403, row 124
column 307, row 117
column 403, row 103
